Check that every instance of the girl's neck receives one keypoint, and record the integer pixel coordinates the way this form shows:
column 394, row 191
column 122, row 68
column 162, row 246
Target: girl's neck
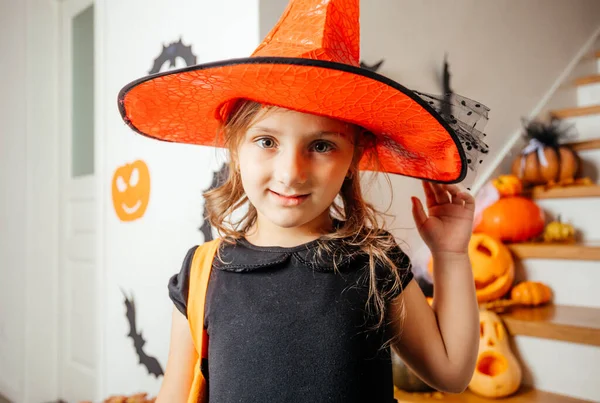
column 265, row 233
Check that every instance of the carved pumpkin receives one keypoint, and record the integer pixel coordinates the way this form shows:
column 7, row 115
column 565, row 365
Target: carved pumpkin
column 131, row 190
column 531, row 293
column 497, row 373
column 493, row 267
column 512, row 219
column 508, row 185
column 544, row 160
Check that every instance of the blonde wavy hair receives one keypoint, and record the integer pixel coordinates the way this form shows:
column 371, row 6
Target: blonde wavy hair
column 362, row 223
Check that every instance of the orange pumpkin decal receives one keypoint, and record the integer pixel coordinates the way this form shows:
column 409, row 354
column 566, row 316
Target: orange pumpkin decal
column 131, row 190
column 512, row 219
column 492, row 265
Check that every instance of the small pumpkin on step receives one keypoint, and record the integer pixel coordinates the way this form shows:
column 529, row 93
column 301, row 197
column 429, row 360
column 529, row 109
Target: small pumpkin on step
column 508, row 185
column 558, row 231
column 497, row 372
column 531, row 293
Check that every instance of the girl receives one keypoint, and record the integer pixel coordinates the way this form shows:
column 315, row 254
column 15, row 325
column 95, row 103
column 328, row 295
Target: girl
column 307, row 293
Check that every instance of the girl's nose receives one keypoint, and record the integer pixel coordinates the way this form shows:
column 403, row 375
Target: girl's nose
column 291, row 168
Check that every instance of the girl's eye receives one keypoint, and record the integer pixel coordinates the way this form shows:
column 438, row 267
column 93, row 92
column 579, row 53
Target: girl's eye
column 266, row 142
column 323, row 147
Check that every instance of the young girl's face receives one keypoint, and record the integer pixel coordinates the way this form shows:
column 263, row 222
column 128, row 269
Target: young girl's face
column 293, row 165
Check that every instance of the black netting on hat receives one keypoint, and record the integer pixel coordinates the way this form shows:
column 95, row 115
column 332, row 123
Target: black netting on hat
column 467, row 118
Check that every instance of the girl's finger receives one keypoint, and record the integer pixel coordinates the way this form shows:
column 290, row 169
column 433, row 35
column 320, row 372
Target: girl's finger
column 454, row 191
column 430, row 199
column 465, row 199
column 418, row 212
column 441, row 195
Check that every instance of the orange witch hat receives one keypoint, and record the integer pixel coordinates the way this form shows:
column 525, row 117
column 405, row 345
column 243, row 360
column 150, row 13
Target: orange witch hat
column 309, row 62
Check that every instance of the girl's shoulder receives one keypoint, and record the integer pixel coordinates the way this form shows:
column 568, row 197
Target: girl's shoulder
column 179, row 282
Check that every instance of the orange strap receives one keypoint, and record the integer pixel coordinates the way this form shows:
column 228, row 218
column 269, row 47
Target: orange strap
column 199, row 276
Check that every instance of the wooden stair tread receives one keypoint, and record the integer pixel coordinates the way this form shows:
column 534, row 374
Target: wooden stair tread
column 559, row 192
column 525, row 394
column 575, row 251
column 584, row 145
column 593, row 79
column 574, row 112
column 574, row 324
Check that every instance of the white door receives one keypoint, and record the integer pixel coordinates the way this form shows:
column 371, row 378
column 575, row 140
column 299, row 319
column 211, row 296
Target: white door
column 78, row 358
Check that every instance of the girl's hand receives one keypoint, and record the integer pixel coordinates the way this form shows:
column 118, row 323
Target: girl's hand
column 449, row 225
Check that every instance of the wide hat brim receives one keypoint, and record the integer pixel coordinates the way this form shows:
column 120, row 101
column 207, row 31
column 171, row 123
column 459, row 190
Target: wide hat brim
column 185, row 106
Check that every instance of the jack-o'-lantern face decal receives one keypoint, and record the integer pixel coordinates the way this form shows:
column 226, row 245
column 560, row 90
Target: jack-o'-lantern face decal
column 131, row 190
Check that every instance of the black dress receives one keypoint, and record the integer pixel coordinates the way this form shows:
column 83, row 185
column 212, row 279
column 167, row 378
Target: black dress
column 284, row 326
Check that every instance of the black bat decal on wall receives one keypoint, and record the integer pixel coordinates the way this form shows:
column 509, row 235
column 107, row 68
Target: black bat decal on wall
column 151, row 363
column 172, row 52
column 219, row 177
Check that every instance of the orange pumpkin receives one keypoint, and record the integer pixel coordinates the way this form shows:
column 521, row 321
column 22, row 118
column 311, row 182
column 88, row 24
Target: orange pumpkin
column 508, row 185
column 492, row 265
column 558, row 165
column 131, row 190
column 512, row 219
column 497, row 372
column 531, row 293
column 544, row 160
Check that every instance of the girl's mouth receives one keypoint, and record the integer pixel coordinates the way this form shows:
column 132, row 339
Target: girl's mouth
column 289, row 200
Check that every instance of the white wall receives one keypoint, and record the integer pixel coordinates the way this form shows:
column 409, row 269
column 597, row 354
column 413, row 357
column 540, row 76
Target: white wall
column 28, row 206
column 141, row 255
column 13, row 213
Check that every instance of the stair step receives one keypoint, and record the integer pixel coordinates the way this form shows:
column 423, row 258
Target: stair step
column 587, row 127
column 574, row 112
column 593, row 79
column 592, row 144
column 579, row 288
column 575, row 324
column 575, row 251
column 525, row 394
column 559, row 192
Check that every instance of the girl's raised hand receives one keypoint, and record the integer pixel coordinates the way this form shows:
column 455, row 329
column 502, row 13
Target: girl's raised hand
column 448, row 225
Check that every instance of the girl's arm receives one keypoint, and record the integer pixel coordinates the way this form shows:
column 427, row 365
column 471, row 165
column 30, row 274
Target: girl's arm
column 179, row 373
column 440, row 342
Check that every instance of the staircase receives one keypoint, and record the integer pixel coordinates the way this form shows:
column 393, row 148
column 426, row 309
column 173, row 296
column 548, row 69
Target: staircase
column 558, row 345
